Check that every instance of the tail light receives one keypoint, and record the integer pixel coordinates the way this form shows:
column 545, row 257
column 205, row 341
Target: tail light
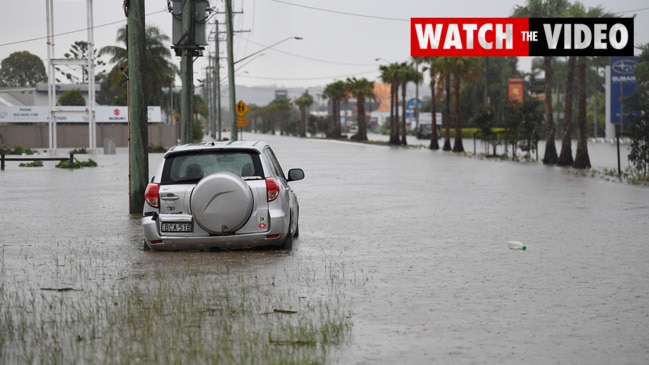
column 151, row 195
column 272, row 189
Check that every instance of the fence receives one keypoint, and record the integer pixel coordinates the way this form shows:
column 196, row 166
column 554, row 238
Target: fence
column 35, row 158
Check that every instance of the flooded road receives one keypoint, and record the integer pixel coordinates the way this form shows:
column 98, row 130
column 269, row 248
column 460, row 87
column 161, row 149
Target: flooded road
column 417, row 239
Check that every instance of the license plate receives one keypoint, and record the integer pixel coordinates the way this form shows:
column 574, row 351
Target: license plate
column 177, row 227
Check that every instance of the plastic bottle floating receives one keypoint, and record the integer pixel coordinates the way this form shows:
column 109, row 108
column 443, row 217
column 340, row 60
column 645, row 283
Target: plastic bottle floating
column 516, row 245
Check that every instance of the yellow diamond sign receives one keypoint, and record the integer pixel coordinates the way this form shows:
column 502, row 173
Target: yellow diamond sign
column 242, row 108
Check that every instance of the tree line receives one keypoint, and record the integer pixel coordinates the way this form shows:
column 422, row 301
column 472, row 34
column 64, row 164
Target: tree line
column 467, row 90
column 24, row 69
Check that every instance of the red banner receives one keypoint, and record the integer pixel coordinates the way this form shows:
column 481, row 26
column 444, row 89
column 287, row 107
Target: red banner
column 515, row 89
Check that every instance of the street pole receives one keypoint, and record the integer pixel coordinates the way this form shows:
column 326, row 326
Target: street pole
column 92, row 125
column 138, row 126
column 218, row 87
column 51, row 80
column 417, row 97
column 187, row 73
column 217, row 81
column 229, row 41
column 207, row 94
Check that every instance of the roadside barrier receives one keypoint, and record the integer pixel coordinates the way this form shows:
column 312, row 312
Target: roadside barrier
column 35, row 158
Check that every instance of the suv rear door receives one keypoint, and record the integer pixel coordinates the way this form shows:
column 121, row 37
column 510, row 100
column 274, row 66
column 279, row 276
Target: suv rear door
column 220, row 191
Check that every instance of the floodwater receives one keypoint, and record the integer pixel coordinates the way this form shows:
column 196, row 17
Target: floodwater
column 420, row 237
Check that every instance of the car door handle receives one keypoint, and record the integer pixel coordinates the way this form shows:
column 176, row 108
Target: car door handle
column 169, row 197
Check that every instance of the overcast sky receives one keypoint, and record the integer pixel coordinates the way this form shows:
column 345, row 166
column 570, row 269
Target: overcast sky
column 341, row 38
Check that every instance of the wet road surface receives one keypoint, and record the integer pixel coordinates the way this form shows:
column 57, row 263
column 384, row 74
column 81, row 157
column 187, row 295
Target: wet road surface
column 418, row 237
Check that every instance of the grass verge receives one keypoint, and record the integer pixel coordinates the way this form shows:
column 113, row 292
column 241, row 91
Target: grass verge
column 170, row 315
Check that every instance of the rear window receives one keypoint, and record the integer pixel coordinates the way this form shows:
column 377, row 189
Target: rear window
column 193, row 166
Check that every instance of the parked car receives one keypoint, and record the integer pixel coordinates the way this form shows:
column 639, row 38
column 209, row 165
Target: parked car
column 221, row 195
column 424, row 131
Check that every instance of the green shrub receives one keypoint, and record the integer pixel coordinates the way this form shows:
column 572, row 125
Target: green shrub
column 31, row 164
column 17, row 150
column 77, row 164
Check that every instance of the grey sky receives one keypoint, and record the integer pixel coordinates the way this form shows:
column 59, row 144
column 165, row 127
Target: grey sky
column 341, row 38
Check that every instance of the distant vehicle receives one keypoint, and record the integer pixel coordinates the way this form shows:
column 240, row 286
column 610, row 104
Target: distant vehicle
column 220, row 195
column 424, row 131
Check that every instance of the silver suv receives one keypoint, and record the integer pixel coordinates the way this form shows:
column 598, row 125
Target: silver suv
column 220, row 195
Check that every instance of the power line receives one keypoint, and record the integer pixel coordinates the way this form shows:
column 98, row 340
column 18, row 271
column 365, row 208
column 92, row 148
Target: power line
column 634, row 10
column 341, row 12
column 388, row 18
column 307, row 78
column 313, row 59
column 74, row 31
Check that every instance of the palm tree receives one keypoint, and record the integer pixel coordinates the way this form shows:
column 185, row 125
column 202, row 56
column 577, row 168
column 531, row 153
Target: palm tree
column 545, row 9
column 434, row 74
column 402, row 80
column 390, row 74
column 335, row 92
column 407, row 74
column 445, row 69
column 361, row 89
column 582, row 160
column 565, row 157
column 462, row 68
column 158, row 67
column 303, row 102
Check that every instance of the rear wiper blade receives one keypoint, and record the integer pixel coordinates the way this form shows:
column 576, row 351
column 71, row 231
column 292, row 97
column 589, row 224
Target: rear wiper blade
column 187, row 181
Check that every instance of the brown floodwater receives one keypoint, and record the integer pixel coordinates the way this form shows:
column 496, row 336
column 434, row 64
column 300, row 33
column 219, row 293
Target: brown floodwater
column 417, row 240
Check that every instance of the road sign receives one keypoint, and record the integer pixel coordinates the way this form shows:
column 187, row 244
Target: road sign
column 410, row 107
column 242, row 122
column 623, row 82
column 242, row 108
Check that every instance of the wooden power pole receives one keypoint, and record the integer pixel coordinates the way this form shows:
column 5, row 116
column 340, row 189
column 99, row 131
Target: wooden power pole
column 187, row 72
column 138, row 120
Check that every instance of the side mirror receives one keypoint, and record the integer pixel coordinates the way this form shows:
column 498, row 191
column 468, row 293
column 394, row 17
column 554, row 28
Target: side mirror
column 295, row 174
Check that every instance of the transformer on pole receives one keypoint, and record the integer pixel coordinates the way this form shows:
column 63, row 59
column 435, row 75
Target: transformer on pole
column 189, row 18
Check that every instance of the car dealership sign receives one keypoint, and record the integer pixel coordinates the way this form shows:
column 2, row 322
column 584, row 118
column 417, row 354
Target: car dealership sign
column 622, row 84
column 70, row 114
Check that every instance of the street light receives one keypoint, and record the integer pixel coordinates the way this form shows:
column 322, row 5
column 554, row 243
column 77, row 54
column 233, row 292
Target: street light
column 231, row 63
column 263, row 49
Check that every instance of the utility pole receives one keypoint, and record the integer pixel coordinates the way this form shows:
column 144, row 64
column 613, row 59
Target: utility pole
column 217, row 71
column 229, row 32
column 208, row 95
column 138, row 120
column 217, row 81
column 187, row 73
column 92, row 125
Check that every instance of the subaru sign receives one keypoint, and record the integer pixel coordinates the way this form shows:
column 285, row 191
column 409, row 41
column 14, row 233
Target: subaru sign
column 622, row 86
column 410, row 107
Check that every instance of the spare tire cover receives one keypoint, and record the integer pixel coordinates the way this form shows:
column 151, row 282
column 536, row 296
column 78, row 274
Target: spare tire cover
column 221, row 203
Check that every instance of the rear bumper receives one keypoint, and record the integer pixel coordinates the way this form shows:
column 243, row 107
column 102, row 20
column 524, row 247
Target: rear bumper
column 158, row 242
